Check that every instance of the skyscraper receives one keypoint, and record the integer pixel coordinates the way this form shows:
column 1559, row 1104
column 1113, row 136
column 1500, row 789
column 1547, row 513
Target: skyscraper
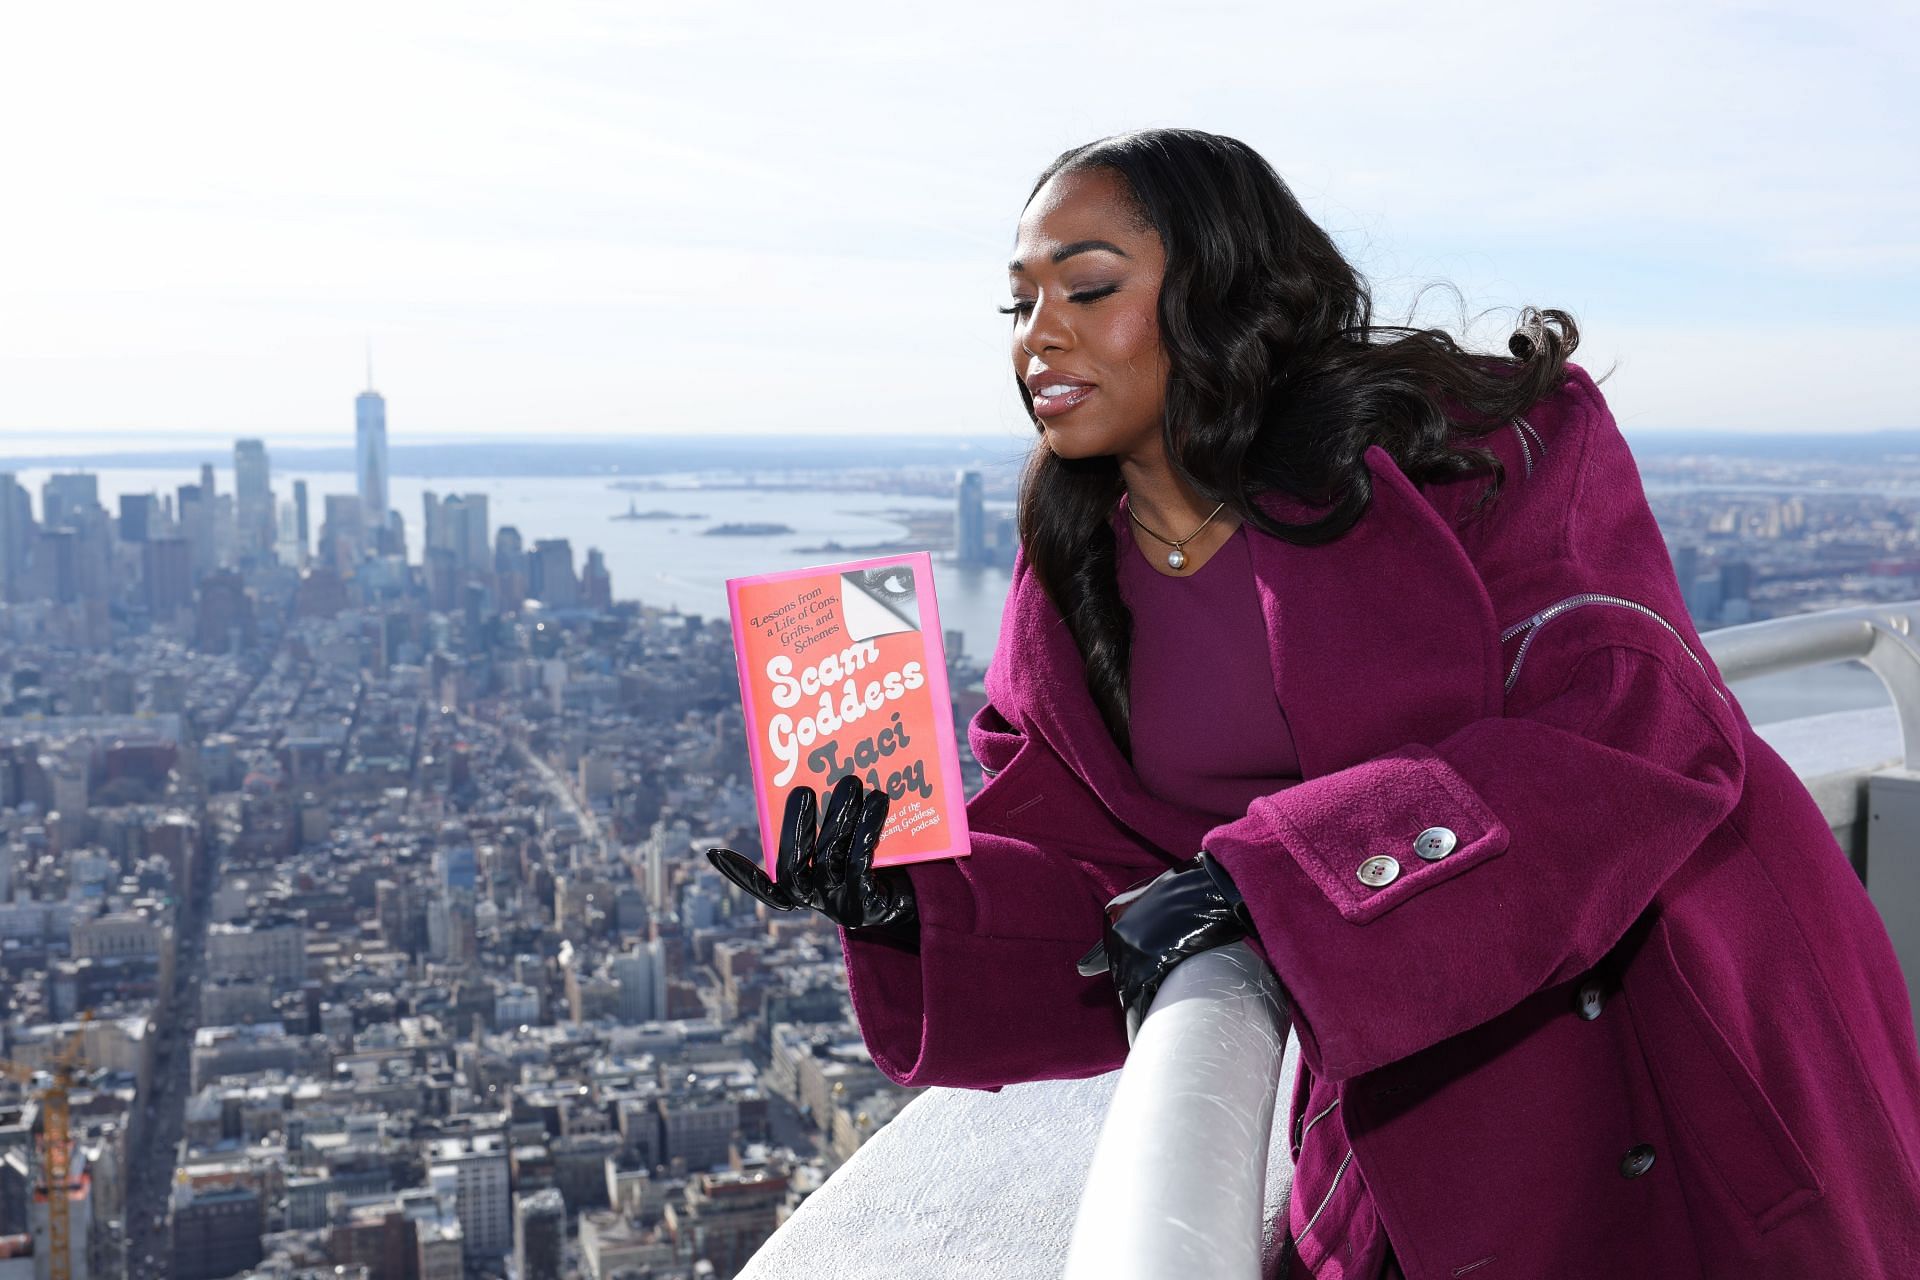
column 370, row 439
column 253, row 509
column 300, row 520
column 16, row 534
column 475, row 1167
column 56, row 564
column 1736, row 591
column 431, row 534
column 63, row 497
column 218, row 517
column 473, row 553
column 1686, row 568
column 596, row 586
column 539, row 1234
column 458, row 523
column 550, row 577
column 342, row 533
column 139, row 516
column 166, row 576
column 510, row 568
column 970, row 519
column 509, row 553
column 195, row 517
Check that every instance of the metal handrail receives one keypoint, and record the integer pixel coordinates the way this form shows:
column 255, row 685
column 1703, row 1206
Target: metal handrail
column 1196, row 1096
column 1178, row 1179
column 1879, row 636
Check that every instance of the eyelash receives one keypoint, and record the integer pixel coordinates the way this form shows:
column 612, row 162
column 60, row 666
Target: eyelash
column 1021, row 307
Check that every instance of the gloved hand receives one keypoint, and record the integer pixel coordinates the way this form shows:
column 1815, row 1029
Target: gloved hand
column 1158, row 923
column 831, row 871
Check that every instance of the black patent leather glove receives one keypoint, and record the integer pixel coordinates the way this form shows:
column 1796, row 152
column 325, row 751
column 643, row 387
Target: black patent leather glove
column 832, row 870
column 1158, row 923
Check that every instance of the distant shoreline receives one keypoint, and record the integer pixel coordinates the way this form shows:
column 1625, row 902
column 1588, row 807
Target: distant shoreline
column 621, row 458
column 615, row 460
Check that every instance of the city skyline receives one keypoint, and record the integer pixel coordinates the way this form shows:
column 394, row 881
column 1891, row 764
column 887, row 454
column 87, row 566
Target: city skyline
column 370, row 890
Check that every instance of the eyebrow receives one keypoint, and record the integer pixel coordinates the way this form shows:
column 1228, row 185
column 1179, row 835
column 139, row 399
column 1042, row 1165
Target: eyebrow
column 1067, row 251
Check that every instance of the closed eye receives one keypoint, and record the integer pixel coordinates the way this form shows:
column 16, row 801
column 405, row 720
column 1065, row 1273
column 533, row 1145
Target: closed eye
column 1021, row 306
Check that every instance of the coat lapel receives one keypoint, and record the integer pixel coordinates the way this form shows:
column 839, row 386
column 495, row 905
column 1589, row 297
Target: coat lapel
column 1383, row 637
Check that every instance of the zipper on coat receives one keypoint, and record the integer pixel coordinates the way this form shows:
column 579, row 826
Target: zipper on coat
column 1530, row 625
column 1526, row 452
column 1328, row 1198
column 1301, row 1126
column 1534, row 431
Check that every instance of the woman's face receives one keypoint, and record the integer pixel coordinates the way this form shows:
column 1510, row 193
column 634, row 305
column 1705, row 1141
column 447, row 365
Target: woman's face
column 1085, row 284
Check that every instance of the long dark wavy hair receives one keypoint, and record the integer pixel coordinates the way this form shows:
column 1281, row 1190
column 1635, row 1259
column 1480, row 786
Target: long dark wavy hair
column 1280, row 381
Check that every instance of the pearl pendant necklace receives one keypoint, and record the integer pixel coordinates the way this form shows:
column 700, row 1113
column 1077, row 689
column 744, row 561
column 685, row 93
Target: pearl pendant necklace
column 1176, row 557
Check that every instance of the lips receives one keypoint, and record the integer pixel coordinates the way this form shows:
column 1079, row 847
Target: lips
column 1066, row 396
column 1055, row 392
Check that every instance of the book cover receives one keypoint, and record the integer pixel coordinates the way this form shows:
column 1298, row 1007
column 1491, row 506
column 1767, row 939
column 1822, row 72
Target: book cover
column 843, row 669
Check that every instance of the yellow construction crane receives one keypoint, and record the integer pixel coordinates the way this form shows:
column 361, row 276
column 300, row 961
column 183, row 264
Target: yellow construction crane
column 56, row 1148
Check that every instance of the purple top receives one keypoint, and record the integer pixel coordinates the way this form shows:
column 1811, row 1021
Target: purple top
column 1208, row 733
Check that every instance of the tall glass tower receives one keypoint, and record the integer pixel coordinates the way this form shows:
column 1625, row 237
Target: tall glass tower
column 970, row 518
column 300, row 520
column 253, row 497
column 370, row 423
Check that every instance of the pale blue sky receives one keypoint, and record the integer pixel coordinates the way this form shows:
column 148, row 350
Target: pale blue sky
column 630, row 218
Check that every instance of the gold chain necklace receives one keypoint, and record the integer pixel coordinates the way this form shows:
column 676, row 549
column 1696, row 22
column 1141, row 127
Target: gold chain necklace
column 1175, row 557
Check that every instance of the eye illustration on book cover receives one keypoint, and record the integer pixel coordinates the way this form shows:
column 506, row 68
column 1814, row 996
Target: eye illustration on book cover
column 843, row 670
column 891, row 588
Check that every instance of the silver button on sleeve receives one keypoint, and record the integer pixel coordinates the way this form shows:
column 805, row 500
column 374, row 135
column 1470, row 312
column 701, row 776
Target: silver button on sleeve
column 1378, row 870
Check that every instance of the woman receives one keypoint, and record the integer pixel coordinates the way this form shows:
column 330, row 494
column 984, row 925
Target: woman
column 1582, row 982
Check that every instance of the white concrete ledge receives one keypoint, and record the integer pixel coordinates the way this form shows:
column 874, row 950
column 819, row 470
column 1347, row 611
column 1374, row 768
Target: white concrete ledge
column 968, row 1183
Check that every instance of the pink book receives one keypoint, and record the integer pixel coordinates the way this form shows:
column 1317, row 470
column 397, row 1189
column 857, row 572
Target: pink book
column 843, row 669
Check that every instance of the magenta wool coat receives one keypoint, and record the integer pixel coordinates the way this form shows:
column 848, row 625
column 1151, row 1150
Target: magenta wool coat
column 1618, row 1006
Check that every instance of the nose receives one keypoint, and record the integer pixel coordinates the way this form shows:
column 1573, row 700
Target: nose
column 1047, row 327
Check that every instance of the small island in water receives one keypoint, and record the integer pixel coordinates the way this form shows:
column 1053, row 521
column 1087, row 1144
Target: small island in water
column 631, row 514
column 746, row 529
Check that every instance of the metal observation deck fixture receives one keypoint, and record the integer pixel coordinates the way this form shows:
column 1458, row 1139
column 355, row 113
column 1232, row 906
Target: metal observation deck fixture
column 1170, row 1167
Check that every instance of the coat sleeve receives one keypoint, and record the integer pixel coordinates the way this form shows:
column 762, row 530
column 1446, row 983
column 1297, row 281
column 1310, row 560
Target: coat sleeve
column 990, row 996
column 1522, row 845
